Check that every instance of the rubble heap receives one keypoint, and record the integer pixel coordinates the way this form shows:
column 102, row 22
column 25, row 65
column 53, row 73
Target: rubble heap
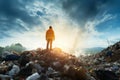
column 43, row 64
column 106, row 64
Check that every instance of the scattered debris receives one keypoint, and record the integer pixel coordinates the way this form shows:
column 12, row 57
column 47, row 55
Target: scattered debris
column 55, row 64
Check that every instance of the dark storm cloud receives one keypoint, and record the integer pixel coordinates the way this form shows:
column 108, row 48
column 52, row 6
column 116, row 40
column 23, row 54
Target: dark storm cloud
column 83, row 10
column 13, row 10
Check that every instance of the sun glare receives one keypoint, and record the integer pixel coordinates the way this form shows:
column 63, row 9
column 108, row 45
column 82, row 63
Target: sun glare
column 65, row 38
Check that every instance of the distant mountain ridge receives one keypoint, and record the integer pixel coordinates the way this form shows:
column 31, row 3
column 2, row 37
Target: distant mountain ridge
column 93, row 50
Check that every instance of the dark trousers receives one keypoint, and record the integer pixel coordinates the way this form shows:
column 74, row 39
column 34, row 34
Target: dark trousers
column 49, row 43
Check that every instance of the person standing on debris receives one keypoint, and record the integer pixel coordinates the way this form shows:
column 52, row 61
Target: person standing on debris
column 50, row 37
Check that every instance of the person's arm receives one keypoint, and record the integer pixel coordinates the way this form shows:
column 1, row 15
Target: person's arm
column 46, row 35
column 53, row 36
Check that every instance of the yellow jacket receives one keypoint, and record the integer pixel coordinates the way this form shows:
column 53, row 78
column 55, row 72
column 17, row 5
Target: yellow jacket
column 50, row 34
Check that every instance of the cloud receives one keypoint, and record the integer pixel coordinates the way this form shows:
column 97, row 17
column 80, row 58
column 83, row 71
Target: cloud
column 16, row 10
column 23, row 15
column 82, row 11
column 39, row 13
column 90, row 26
column 90, row 14
column 5, row 35
column 15, row 13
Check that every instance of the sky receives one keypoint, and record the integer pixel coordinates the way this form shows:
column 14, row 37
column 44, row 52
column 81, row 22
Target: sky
column 77, row 24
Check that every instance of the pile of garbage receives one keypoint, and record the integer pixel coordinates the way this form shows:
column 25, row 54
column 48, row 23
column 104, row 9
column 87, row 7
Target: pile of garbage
column 42, row 64
column 106, row 64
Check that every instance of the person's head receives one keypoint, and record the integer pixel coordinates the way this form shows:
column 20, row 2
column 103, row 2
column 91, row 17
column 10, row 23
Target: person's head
column 50, row 27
